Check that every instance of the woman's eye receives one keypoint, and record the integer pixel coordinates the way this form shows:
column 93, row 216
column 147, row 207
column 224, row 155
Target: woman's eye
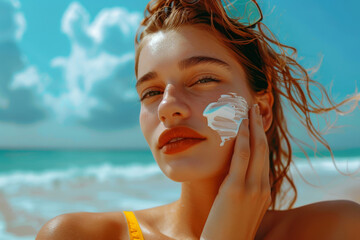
column 154, row 93
column 150, row 94
column 207, row 79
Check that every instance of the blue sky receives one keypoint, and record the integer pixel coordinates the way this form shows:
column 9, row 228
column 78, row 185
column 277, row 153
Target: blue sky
column 67, row 80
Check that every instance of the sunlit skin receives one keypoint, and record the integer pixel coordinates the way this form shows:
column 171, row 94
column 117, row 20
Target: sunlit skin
column 179, row 99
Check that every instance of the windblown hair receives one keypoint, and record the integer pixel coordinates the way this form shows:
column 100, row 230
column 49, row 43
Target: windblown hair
column 269, row 68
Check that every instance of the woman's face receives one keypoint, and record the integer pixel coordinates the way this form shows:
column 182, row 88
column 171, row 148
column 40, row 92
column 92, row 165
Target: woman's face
column 179, row 73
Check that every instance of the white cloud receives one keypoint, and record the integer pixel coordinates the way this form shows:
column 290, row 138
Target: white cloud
column 30, row 78
column 92, row 65
column 80, row 69
column 73, row 103
column 19, row 92
column 13, row 23
column 76, row 24
column 113, row 18
column 21, row 26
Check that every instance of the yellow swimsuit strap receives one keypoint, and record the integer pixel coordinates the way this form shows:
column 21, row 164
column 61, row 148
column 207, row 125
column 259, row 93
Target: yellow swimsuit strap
column 133, row 225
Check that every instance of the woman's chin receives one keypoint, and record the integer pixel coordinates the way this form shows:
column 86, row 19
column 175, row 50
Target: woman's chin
column 196, row 166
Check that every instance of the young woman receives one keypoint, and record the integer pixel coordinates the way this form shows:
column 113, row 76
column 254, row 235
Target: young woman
column 211, row 88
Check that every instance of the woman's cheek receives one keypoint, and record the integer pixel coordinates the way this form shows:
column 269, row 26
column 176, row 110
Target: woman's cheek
column 146, row 120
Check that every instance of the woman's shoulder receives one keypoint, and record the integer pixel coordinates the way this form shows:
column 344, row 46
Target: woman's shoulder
column 337, row 219
column 85, row 225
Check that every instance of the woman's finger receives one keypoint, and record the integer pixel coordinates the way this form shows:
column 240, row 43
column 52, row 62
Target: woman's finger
column 258, row 146
column 241, row 155
column 266, row 170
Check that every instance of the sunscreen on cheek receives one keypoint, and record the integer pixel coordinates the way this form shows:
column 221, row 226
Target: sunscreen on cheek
column 226, row 115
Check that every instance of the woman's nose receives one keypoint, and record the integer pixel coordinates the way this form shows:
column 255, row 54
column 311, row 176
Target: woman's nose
column 173, row 107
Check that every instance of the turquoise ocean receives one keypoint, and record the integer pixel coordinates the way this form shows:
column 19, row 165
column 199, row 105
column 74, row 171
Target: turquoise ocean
column 36, row 186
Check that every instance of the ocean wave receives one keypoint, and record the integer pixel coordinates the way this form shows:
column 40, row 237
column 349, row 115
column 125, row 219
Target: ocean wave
column 29, row 197
column 326, row 166
column 137, row 172
column 100, row 173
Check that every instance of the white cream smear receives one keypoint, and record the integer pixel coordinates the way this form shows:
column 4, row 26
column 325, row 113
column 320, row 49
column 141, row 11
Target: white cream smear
column 226, row 115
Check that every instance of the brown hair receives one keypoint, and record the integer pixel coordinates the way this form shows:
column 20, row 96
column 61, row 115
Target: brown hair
column 269, row 68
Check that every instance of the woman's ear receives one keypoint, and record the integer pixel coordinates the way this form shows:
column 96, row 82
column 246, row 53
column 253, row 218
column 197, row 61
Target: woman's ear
column 266, row 101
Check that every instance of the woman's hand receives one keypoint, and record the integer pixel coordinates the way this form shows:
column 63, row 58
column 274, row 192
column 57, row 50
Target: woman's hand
column 245, row 194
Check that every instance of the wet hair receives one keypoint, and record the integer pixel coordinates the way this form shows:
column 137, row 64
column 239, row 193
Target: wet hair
column 270, row 66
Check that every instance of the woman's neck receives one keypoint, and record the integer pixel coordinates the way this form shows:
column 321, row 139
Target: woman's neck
column 189, row 214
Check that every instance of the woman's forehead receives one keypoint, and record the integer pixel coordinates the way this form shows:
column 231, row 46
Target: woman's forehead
column 165, row 47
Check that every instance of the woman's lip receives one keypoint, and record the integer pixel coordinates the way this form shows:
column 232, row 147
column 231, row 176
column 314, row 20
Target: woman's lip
column 178, row 132
column 181, row 145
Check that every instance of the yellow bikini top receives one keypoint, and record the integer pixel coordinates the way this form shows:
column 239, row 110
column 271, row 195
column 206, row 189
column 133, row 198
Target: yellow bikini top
column 133, row 226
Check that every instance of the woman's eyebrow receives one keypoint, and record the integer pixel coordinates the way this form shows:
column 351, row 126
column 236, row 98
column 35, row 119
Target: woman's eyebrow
column 147, row 77
column 196, row 60
column 184, row 64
